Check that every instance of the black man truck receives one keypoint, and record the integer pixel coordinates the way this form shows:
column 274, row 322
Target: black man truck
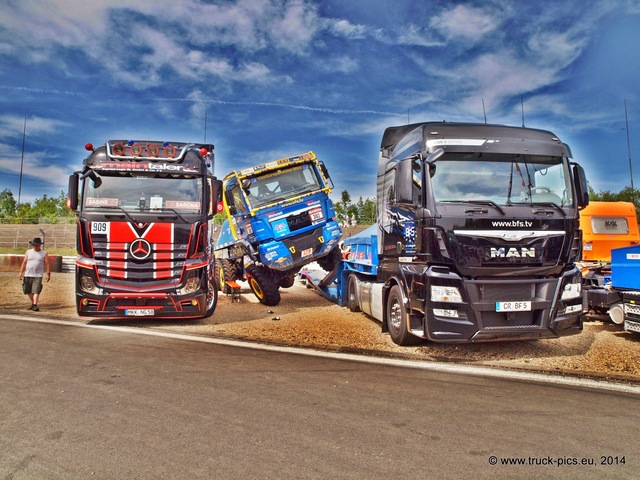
column 476, row 239
column 145, row 211
column 280, row 218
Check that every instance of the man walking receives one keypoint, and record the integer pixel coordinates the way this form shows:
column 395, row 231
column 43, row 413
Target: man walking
column 34, row 266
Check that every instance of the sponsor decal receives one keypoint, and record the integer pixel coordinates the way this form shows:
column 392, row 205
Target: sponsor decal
column 145, row 166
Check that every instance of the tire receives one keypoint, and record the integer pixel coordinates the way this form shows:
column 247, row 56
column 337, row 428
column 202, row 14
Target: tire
column 287, row 281
column 263, row 285
column 397, row 320
column 225, row 272
column 352, row 294
column 330, row 261
column 212, row 296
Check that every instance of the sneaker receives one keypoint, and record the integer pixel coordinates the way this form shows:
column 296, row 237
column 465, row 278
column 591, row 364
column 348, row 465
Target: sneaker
column 35, row 308
column 31, row 307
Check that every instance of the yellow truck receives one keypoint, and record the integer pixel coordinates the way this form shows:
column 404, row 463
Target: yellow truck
column 605, row 226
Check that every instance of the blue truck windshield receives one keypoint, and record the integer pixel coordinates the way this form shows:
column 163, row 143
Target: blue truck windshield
column 282, row 184
column 181, row 194
column 504, row 179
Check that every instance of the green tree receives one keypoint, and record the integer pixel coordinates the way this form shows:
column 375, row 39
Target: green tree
column 8, row 204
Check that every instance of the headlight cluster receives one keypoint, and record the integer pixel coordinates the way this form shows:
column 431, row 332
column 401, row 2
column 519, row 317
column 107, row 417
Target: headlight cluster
column 445, row 294
column 572, row 290
column 191, row 285
column 87, row 285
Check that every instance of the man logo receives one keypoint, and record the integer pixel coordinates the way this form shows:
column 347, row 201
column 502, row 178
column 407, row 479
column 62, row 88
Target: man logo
column 513, row 252
column 140, row 249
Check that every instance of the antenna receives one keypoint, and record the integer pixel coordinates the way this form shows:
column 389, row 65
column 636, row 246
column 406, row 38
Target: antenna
column 522, row 106
column 408, row 117
column 484, row 111
column 206, row 114
column 626, row 118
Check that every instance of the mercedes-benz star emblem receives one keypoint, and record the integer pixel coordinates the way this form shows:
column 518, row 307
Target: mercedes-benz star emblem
column 140, row 249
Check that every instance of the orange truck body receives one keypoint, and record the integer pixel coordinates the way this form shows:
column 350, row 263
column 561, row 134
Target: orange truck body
column 607, row 225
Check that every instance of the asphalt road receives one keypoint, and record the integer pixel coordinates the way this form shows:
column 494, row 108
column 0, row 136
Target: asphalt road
column 83, row 402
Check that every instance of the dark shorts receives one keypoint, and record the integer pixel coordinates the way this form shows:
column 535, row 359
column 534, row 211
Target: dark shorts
column 32, row 285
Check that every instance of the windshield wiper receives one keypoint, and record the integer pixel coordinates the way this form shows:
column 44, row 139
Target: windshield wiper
column 123, row 211
column 549, row 204
column 478, row 202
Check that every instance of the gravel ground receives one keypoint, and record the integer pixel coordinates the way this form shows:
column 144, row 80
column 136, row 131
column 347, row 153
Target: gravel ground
column 304, row 318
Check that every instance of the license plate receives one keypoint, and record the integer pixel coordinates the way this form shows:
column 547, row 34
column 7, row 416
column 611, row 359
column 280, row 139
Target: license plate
column 139, row 312
column 632, row 326
column 307, row 252
column 513, row 306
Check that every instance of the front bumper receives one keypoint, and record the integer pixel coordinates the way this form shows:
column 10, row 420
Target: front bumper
column 300, row 249
column 477, row 318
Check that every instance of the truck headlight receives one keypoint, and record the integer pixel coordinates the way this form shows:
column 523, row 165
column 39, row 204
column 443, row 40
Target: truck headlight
column 87, row 285
column 571, row 291
column 191, row 285
column 445, row 294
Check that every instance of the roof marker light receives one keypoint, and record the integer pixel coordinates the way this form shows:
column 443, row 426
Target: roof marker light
column 131, row 142
column 89, row 147
column 203, row 152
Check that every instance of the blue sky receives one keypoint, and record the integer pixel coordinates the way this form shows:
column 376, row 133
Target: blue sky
column 277, row 78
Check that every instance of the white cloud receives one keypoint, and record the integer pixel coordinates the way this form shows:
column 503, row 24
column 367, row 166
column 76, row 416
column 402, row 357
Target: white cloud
column 14, row 126
column 40, row 165
column 466, row 23
column 346, row 29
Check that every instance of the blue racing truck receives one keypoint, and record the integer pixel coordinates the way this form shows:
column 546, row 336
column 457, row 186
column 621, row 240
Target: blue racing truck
column 476, row 239
column 279, row 218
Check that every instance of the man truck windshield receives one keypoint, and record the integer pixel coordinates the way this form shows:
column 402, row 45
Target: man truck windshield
column 504, row 179
column 142, row 192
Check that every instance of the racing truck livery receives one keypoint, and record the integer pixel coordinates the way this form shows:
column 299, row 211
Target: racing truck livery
column 279, row 218
column 145, row 211
column 476, row 239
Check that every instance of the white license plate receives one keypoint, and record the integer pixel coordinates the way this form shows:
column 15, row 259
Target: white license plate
column 513, row 306
column 139, row 312
column 307, row 252
column 632, row 326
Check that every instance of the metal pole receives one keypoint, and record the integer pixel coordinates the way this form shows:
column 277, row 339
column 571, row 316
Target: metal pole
column 24, row 135
column 626, row 118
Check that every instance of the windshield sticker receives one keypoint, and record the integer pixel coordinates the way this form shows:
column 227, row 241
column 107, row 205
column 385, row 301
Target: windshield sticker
column 101, row 202
column 182, row 204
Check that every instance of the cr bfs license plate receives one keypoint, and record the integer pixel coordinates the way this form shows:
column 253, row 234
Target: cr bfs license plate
column 513, row 306
column 139, row 312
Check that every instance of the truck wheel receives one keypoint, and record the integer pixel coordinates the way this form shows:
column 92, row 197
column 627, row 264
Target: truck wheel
column 263, row 285
column 218, row 275
column 352, row 294
column 287, row 281
column 212, row 297
column 226, row 272
column 330, row 260
column 397, row 320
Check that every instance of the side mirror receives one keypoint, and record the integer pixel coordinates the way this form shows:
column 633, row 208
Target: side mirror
column 215, row 198
column 580, row 185
column 404, row 181
column 72, row 192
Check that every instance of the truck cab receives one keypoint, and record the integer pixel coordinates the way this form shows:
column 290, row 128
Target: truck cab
column 145, row 211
